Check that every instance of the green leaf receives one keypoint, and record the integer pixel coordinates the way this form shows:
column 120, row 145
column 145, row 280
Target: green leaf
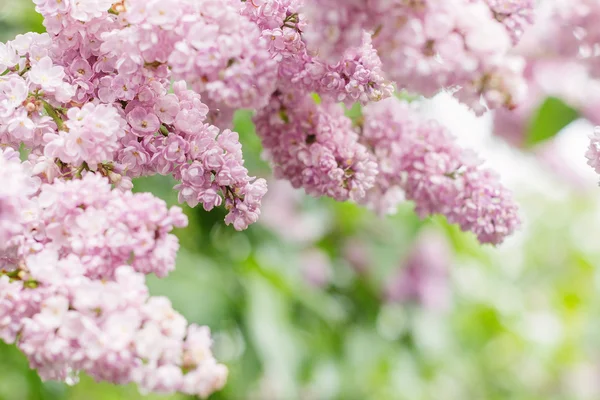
column 551, row 118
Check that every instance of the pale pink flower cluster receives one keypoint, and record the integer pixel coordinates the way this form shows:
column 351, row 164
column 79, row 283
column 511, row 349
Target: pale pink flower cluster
column 23, row 119
column 91, row 134
column 355, row 76
column 545, row 77
column 95, row 97
column 428, row 45
column 315, row 147
column 455, row 44
column 119, row 89
column 109, row 227
column 421, row 158
column 13, row 195
column 73, row 295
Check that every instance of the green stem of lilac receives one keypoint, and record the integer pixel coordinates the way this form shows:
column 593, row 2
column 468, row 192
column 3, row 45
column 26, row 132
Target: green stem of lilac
column 51, row 111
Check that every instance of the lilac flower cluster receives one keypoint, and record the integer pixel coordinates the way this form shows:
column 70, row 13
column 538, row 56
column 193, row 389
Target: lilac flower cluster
column 13, row 196
column 355, row 76
column 421, row 158
column 569, row 40
column 110, row 228
column 428, row 45
column 107, row 108
column 119, row 89
column 564, row 42
column 315, row 147
column 73, row 295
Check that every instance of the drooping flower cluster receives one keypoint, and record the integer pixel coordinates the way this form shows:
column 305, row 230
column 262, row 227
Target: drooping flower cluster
column 355, row 76
column 110, row 228
column 108, row 115
column 421, row 158
column 120, row 89
column 432, row 44
column 315, row 147
column 73, row 295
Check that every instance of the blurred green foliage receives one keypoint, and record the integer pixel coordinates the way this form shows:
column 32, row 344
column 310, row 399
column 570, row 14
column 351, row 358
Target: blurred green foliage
column 552, row 116
column 522, row 324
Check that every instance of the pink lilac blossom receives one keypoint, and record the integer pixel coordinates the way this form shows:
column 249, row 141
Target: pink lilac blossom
column 554, row 48
column 355, row 76
column 111, row 329
column 421, row 158
column 90, row 134
column 315, row 147
column 546, row 47
column 108, row 228
column 16, row 185
column 73, row 296
column 103, row 98
column 430, row 45
column 105, row 229
column 452, row 44
column 134, row 128
column 546, row 79
column 336, row 25
column 218, row 51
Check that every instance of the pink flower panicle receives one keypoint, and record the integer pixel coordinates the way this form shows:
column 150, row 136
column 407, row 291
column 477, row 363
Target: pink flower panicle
column 74, row 298
column 315, row 147
column 429, row 45
column 110, row 227
column 357, row 77
column 421, row 158
column 453, row 44
column 14, row 191
column 120, row 89
column 106, row 107
column 354, row 76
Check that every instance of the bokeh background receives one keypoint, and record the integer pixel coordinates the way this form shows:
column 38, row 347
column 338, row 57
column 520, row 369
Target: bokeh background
column 322, row 300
